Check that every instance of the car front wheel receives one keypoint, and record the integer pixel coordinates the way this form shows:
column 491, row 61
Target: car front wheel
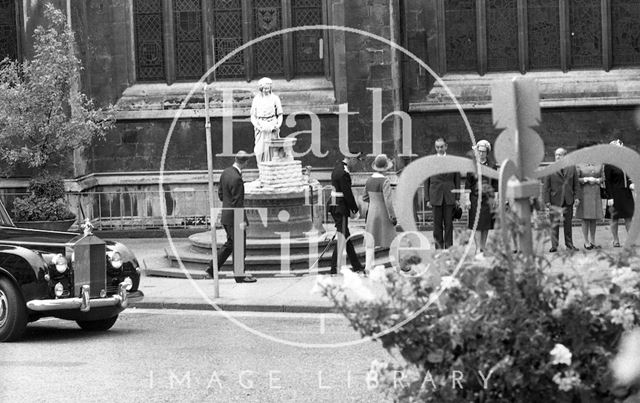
column 97, row 325
column 13, row 312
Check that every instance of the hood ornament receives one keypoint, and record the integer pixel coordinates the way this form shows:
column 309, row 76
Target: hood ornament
column 87, row 227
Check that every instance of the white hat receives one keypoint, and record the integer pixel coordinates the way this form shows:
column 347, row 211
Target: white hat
column 264, row 81
column 483, row 143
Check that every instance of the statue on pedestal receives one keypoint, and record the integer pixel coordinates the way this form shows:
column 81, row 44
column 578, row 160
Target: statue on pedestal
column 266, row 117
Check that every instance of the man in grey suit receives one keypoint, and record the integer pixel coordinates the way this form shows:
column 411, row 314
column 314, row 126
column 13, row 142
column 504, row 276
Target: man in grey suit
column 560, row 189
column 439, row 196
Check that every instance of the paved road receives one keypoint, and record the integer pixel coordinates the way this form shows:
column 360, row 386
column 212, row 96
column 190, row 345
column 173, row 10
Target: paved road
column 168, row 356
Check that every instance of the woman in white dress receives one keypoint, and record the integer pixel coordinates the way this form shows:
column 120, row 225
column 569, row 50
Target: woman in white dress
column 266, row 117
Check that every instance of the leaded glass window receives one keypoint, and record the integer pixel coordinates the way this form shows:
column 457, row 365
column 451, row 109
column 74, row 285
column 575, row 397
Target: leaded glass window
column 544, row 34
column 227, row 35
column 586, row 33
column 268, row 18
column 625, row 26
column 8, row 30
column 170, row 40
column 306, row 44
column 460, row 35
column 502, row 35
column 147, row 15
column 188, row 39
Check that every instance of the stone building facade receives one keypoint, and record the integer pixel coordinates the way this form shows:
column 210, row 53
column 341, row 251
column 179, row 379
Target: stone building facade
column 147, row 57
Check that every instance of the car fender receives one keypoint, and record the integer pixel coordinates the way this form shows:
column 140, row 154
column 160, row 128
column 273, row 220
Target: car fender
column 27, row 272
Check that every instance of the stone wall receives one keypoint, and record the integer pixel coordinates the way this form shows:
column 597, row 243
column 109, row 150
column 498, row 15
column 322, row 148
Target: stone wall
column 560, row 127
column 137, row 145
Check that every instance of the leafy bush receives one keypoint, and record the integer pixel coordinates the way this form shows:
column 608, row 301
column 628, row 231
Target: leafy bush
column 45, row 202
column 498, row 327
column 43, row 115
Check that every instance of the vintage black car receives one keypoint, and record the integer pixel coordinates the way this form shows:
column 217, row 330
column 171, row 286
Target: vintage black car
column 62, row 274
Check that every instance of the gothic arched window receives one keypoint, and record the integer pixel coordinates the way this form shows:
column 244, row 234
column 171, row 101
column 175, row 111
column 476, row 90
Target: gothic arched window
column 512, row 35
column 181, row 39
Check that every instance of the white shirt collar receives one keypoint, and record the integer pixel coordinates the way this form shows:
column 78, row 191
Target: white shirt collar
column 236, row 166
column 377, row 175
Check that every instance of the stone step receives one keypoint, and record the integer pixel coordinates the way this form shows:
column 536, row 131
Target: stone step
column 198, row 272
column 196, row 260
column 201, row 243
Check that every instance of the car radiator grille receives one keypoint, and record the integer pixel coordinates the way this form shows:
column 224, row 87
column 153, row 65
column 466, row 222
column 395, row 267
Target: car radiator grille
column 89, row 265
column 112, row 289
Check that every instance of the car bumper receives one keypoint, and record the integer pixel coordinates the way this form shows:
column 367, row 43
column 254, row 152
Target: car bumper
column 84, row 303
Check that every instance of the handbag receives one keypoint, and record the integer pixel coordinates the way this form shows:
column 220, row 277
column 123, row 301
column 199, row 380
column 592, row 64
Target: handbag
column 457, row 212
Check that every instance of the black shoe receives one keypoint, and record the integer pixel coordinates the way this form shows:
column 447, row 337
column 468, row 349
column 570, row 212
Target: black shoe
column 589, row 247
column 571, row 247
column 358, row 270
column 246, row 279
column 554, row 249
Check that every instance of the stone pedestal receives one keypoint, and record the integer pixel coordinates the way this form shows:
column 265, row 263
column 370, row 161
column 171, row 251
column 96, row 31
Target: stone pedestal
column 291, row 214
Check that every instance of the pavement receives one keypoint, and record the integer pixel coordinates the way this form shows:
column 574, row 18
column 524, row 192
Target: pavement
column 272, row 294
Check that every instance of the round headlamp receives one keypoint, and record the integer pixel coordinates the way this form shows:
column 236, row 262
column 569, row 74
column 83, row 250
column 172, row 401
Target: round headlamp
column 61, row 263
column 128, row 283
column 116, row 260
column 58, row 289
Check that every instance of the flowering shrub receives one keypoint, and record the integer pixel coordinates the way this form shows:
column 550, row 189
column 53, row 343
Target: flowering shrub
column 499, row 327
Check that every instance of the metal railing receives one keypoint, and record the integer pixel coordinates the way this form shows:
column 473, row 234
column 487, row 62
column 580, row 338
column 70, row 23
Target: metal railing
column 185, row 207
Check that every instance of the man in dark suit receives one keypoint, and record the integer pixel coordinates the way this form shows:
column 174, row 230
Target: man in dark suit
column 560, row 189
column 439, row 196
column 231, row 193
column 343, row 205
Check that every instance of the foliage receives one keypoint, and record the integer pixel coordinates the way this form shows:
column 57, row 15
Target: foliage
column 43, row 118
column 496, row 327
column 45, row 202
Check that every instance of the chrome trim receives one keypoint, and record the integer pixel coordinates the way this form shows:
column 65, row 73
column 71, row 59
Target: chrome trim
column 84, row 303
column 122, row 293
column 4, row 308
column 21, row 243
column 85, row 299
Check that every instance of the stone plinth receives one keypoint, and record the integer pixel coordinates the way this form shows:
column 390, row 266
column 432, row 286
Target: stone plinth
column 283, row 214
